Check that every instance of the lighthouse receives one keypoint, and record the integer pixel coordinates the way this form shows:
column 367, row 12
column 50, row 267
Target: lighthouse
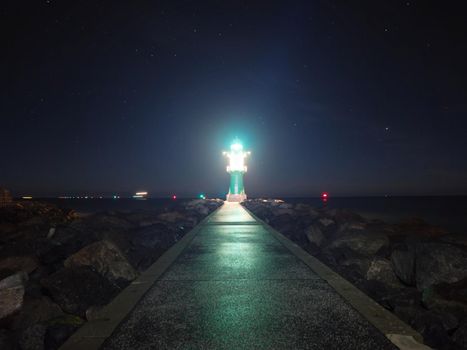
column 236, row 169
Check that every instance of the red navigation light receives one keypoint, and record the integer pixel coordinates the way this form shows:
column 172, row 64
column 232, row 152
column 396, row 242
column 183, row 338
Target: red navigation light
column 324, row 195
column 174, row 197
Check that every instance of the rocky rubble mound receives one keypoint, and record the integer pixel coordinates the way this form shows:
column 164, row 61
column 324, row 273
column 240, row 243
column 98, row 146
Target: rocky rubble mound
column 416, row 270
column 58, row 267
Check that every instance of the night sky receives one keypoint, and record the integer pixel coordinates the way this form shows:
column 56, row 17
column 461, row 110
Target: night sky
column 351, row 97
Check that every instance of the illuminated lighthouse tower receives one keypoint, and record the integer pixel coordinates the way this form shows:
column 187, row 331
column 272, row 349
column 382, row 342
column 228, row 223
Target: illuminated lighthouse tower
column 236, row 168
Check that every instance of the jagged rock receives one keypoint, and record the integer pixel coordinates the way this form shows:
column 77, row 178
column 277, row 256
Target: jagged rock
column 7, row 227
column 19, row 263
column 93, row 313
column 326, row 222
column 106, row 259
column 450, row 322
column 108, row 222
column 150, row 236
column 76, row 289
column 459, row 239
column 380, row 270
column 35, row 310
column 344, row 215
column 284, row 205
column 362, row 244
column 12, row 291
column 360, row 265
column 173, row 216
column 346, row 228
column 447, row 298
column 407, row 313
column 283, row 211
column 60, row 329
column 418, row 227
column 439, row 262
column 32, row 213
column 7, row 341
column 314, row 235
column 377, row 290
column 178, row 218
column 430, row 326
column 32, row 338
column 460, row 335
column 200, row 206
column 51, row 232
column 283, row 223
column 403, row 264
column 302, row 207
column 35, row 221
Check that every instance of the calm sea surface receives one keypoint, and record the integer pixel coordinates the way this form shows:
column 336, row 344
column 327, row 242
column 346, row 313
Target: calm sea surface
column 448, row 212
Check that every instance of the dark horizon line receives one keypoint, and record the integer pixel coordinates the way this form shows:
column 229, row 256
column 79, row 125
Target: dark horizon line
column 251, row 197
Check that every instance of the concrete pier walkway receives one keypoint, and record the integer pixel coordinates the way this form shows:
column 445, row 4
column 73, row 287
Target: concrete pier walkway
column 237, row 286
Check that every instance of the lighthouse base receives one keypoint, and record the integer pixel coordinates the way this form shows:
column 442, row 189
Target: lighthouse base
column 236, row 197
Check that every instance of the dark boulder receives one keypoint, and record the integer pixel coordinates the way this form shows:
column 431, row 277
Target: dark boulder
column 327, row 225
column 13, row 264
column 285, row 223
column 403, row 264
column 199, row 206
column 439, row 262
column 407, row 313
column 314, row 235
column 35, row 310
column 460, row 335
column 178, row 218
column 361, row 243
column 456, row 239
column 381, row 270
column 32, row 338
column 447, row 298
column 107, row 222
column 105, row 258
column 60, row 329
column 359, row 265
column 7, row 340
column 12, row 291
column 431, row 327
column 33, row 213
column 344, row 216
column 376, row 290
column 76, row 289
column 282, row 210
column 151, row 236
column 7, row 228
column 302, row 207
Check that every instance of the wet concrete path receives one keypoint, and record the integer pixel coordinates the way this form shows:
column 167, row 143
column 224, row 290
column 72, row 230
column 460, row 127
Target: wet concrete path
column 235, row 286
